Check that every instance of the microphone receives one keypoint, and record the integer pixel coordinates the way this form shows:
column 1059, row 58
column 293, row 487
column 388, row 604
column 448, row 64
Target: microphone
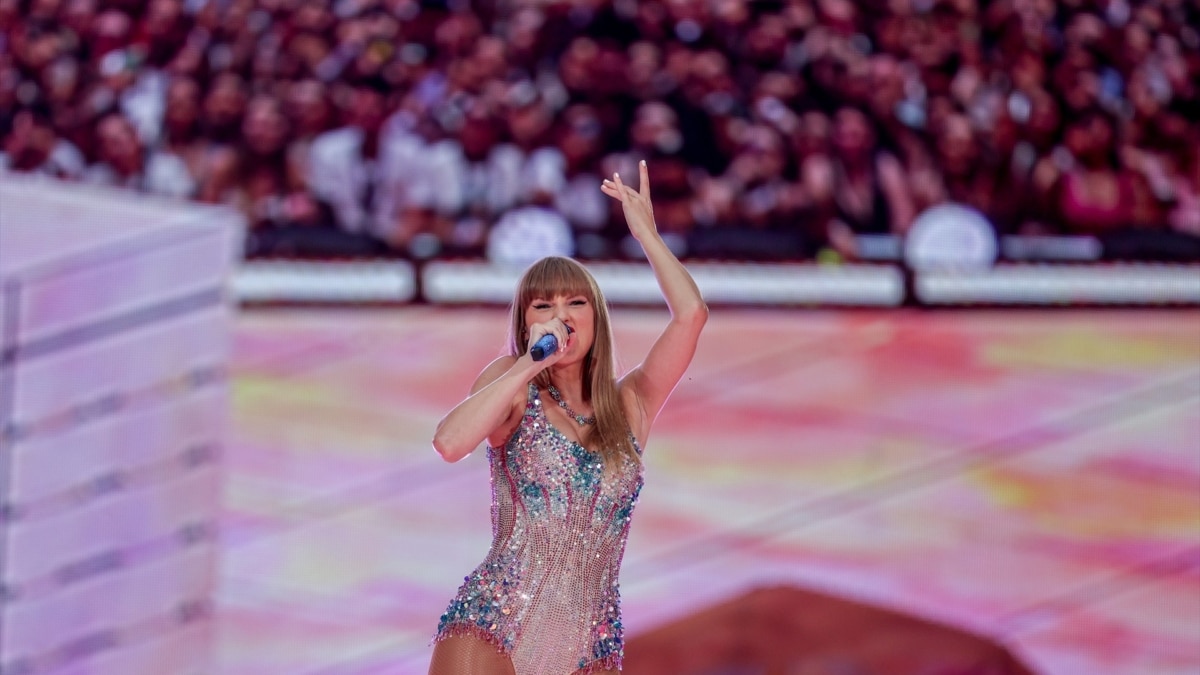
column 546, row 345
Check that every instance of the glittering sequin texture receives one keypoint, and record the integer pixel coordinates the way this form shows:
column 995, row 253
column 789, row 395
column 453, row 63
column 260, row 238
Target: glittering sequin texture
column 547, row 593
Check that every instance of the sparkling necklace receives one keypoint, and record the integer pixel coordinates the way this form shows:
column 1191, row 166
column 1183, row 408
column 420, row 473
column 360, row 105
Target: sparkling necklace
column 557, row 396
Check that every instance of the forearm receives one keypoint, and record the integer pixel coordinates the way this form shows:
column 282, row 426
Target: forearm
column 678, row 287
column 473, row 420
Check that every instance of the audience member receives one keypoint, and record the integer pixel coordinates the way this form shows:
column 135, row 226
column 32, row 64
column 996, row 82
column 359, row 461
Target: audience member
column 774, row 128
column 469, row 178
column 33, row 146
column 183, row 135
column 123, row 162
column 859, row 187
column 362, row 171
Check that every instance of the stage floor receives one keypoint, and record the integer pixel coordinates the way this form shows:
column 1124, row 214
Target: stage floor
column 1032, row 476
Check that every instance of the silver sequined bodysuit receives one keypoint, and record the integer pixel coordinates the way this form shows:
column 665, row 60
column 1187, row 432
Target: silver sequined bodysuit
column 547, row 594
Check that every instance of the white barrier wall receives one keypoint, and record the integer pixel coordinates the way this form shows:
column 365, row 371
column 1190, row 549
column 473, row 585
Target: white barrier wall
column 114, row 340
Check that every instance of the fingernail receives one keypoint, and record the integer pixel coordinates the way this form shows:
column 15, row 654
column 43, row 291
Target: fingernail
column 643, row 162
column 615, row 176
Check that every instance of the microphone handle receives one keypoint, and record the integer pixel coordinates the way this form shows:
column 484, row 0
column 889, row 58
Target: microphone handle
column 545, row 346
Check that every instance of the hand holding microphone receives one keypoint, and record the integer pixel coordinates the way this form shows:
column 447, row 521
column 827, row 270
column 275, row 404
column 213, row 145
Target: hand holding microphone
column 546, row 345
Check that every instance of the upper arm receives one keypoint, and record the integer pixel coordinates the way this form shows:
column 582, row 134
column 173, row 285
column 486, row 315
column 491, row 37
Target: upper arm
column 645, row 389
column 500, row 433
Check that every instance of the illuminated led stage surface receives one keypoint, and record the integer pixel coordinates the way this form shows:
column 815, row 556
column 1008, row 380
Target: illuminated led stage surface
column 1029, row 477
column 114, row 325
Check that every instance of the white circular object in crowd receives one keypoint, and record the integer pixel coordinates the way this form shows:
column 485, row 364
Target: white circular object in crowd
column 951, row 236
column 527, row 234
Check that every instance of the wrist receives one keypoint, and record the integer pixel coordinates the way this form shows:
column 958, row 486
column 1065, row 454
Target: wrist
column 654, row 242
column 525, row 368
column 647, row 234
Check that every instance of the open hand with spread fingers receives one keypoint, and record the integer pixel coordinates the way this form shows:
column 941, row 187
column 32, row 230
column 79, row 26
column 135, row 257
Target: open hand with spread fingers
column 639, row 213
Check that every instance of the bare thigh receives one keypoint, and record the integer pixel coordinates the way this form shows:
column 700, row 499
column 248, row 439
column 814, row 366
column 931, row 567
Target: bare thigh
column 461, row 655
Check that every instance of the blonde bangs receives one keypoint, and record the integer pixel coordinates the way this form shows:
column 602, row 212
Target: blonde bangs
column 554, row 276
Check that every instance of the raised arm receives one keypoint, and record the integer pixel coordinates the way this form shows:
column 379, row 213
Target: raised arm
column 645, row 388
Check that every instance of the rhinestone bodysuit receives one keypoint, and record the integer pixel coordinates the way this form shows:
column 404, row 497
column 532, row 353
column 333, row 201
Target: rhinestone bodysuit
column 547, row 595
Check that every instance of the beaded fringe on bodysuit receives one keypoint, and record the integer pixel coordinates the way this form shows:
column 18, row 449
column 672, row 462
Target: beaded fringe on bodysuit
column 546, row 596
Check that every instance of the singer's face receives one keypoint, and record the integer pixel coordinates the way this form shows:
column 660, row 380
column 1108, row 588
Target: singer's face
column 573, row 310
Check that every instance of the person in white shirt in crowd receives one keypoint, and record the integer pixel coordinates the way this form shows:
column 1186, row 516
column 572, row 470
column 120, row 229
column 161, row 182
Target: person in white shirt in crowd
column 529, row 120
column 161, row 32
column 182, row 135
column 123, row 162
column 580, row 140
column 132, row 57
column 33, row 146
column 470, row 177
column 311, row 114
column 363, row 171
column 492, row 161
column 536, row 227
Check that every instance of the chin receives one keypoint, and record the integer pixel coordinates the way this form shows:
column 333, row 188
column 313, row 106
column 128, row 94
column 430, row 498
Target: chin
column 573, row 357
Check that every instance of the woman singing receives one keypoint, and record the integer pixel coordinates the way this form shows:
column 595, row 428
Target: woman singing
column 565, row 438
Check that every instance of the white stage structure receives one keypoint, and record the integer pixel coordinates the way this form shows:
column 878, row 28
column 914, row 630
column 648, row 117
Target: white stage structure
column 114, row 342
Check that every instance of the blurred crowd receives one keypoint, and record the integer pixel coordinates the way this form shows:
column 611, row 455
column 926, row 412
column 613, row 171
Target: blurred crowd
column 774, row 129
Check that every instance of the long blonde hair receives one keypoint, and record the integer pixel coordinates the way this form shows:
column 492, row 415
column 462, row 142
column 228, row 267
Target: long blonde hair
column 554, row 276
